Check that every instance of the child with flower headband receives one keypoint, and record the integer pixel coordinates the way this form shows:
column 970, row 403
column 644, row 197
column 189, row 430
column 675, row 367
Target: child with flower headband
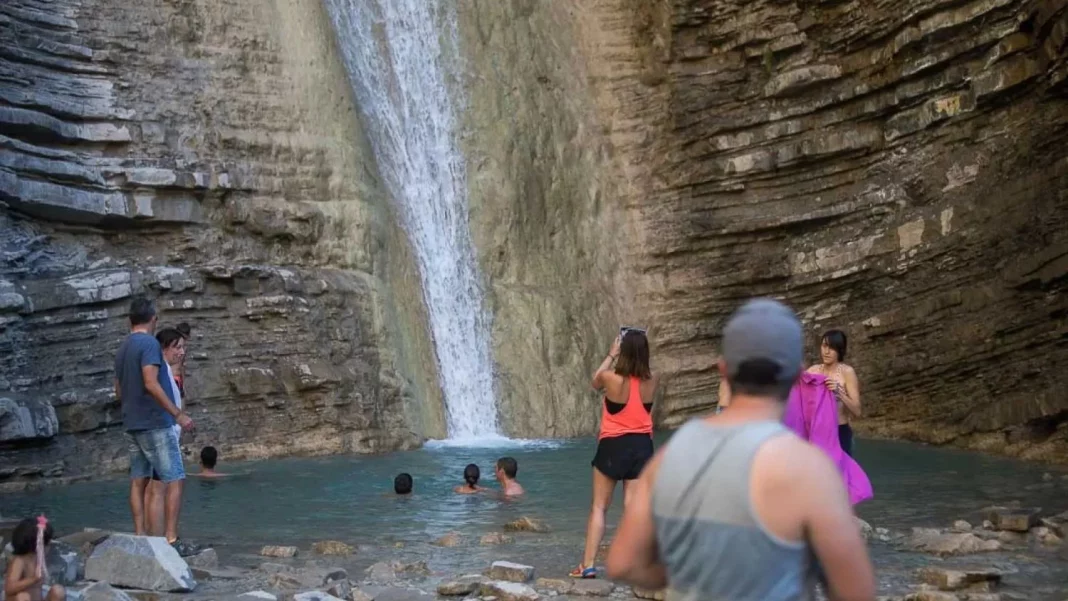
column 28, row 572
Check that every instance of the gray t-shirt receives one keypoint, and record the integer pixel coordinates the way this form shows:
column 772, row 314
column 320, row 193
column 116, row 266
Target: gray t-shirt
column 139, row 410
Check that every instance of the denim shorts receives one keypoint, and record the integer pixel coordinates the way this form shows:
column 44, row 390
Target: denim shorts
column 155, row 451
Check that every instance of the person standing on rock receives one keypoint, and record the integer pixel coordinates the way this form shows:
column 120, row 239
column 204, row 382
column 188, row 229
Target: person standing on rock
column 625, row 443
column 736, row 506
column 841, row 381
column 172, row 343
column 149, row 415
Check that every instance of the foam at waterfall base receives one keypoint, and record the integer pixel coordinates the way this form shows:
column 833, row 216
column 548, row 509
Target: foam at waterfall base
column 494, row 441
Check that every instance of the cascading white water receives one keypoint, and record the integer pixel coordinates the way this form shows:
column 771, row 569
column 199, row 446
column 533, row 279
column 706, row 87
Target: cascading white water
column 393, row 51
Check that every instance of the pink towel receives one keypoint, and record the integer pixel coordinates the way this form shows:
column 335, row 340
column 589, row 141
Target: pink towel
column 811, row 413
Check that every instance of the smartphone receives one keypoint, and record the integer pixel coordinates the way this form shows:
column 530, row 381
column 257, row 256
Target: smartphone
column 623, row 330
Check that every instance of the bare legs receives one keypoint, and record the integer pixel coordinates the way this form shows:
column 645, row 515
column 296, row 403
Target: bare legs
column 137, row 504
column 603, row 487
column 171, row 507
column 154, row 494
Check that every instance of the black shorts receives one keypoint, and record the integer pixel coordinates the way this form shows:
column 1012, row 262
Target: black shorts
column 623, row 457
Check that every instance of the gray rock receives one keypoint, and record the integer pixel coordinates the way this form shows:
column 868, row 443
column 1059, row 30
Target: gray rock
column 27, row 420
column 1013, row 519
column 511, row 572
column 395, row 593
column 65, row 564
column 342, row 589
column 562, row 586
column 957, row 579
column 932, row 540
column 593, row 588
column 206, row 559
column 258, row 596
column 463, row 585
column 962, row 526
column 102, row 591
column 335, row 574
column 381, row 572
column 278, row 551
column 507, row 591
column 139, row 562
column 315, row 596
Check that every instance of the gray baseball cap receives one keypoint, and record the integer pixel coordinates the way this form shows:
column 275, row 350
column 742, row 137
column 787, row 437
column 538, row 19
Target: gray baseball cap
column 764, row 329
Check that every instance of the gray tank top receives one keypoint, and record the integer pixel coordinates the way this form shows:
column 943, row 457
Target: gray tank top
column 710, row 540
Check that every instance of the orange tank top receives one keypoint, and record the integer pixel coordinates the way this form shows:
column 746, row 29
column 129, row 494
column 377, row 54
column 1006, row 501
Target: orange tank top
column 634, row 418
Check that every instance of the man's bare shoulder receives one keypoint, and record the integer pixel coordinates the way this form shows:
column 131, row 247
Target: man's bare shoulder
column 795, row 463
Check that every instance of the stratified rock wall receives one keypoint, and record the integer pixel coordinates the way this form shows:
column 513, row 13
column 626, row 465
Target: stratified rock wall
column 894, row 169
column 207, row 153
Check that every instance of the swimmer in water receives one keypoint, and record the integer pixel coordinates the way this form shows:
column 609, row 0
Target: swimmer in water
column 209, row 456
column 402, row 484
column 470, row 485
column 506, row 471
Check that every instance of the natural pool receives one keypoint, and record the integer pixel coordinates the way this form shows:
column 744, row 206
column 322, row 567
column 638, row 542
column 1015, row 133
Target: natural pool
column 298, row 501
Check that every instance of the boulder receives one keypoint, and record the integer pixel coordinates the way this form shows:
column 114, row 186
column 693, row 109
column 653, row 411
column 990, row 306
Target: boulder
column 283, row 580
column 1013, row 519
column 142, row 562
column 562, row 586
column 206, row 559
column 102, row 591
column 955, row 579
column 65, row 564
column 463, row 585
column 332, row 547
column 593, row 588
column 24, row 420
column 335, row 574
column 526, row 524
column 1046, row 536
column 278, row 551
column 315, row 596
column 86, row 540
column 507, row 591
column 962, row 526
column 381, row 572
column 932, row 540
column 511, row 572
column 495, row 538
column 451, row 539
column 342, row 589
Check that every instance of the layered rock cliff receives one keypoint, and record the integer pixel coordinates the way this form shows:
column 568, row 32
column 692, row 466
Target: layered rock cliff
column 207, row 154
column 894, row 169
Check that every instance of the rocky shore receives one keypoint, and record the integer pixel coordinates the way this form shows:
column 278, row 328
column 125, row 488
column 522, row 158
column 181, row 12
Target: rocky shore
column 992, row 561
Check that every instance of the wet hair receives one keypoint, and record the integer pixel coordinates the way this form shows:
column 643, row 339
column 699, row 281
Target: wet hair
column 169, row 337
column 184, row 329
column 634, row 355
column 471, row 474
column 509, row 466
column 24, row 536
column 760, row 377
column 142, row 311
column 402, row 484
column 836, row 339
column 209, row 456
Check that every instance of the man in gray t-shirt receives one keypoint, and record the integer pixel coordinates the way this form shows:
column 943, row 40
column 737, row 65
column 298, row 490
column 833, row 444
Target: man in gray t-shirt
column 149, row 415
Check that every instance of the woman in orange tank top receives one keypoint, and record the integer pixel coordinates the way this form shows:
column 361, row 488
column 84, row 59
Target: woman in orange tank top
column 625, row 442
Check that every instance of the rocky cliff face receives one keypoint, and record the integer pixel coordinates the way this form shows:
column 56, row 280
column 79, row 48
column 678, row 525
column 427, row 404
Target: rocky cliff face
column 896, row 170
column 206, row 153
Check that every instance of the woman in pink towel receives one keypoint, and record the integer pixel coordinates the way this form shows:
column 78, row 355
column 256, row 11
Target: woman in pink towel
column 841, row 380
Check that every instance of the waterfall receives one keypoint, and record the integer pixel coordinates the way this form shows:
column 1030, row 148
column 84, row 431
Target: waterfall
column 397, row 53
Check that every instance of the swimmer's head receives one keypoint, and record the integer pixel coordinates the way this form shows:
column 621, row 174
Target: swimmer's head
column 24, row 537
column 471, row 474
column 402, row 484
column 507, row 466
column 209, row 457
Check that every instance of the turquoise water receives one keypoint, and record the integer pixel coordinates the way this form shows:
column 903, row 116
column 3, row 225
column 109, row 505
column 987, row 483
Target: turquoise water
column 349, row 498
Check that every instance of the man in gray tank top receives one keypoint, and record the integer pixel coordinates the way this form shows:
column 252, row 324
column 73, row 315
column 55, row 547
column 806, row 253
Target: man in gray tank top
column 735, row 507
